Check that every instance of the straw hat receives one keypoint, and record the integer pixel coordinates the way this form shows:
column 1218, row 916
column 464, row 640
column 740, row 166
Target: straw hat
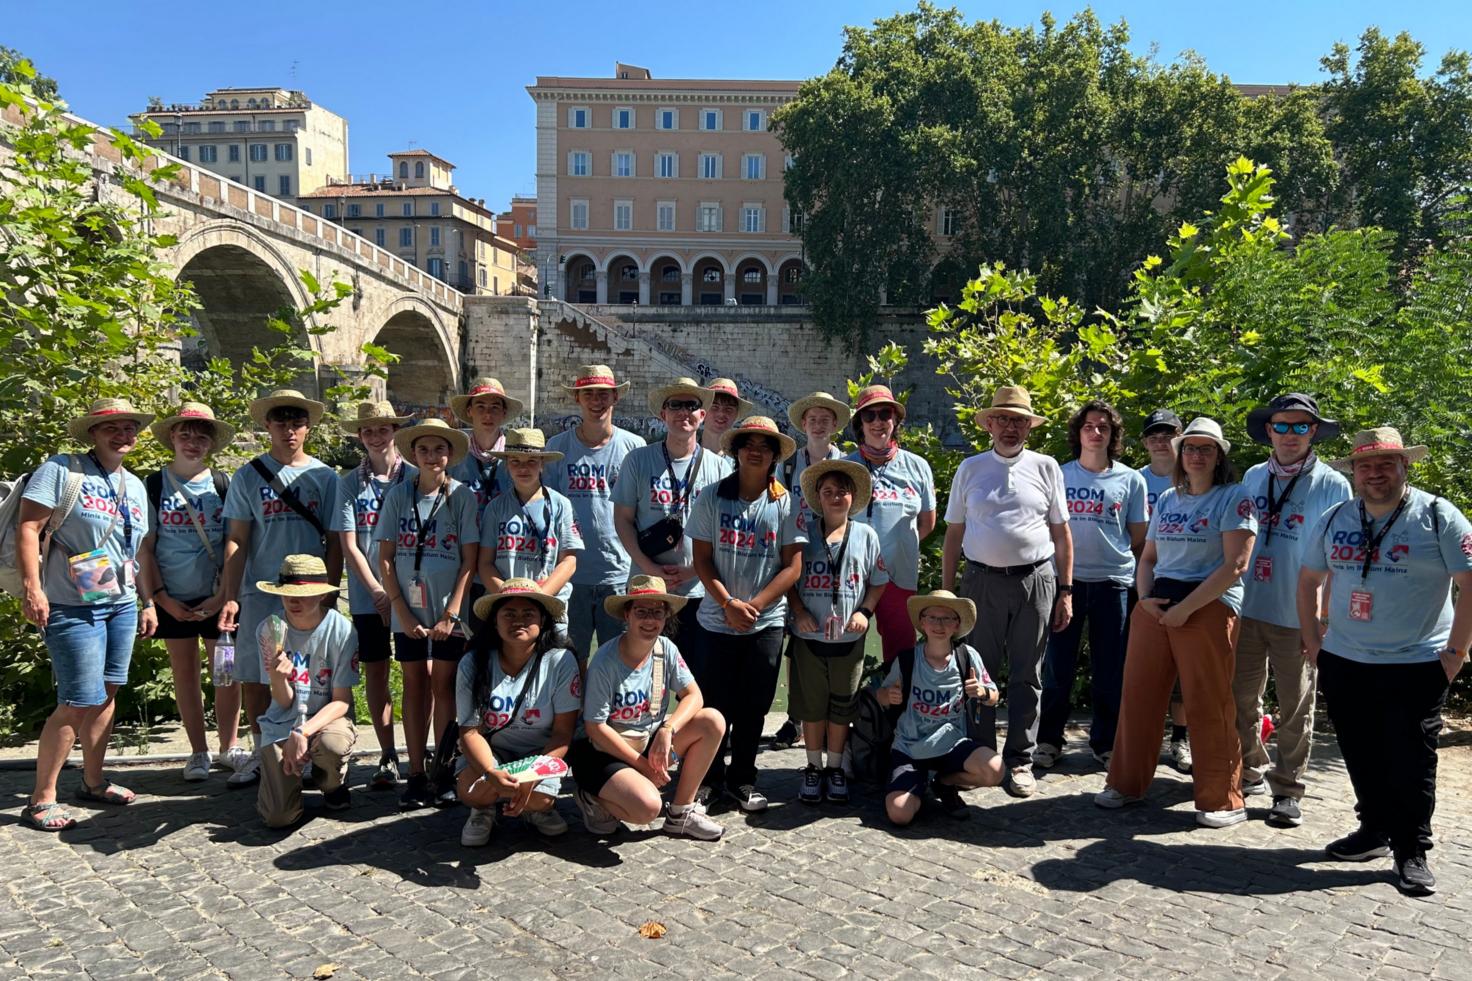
column 526, row 442
column 105, row 410
column 642, row 587
column 261, row 407
column 877, row 395
column 485, row 607
column 725, row 386
column 818, row 400
column 1013, row 400
column 680, row 386
column 1202, row 428
column 300, row 575
column 375, row 414
column 460, row 404
column 162, row 429
column 459, row 442
column 1258, row 418
column 963, row 608
column 857, row 472
column 594, row 376
column 761, row 426
column 1381, row 441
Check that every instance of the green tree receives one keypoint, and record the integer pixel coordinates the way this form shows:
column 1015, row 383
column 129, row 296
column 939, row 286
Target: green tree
column 16, row 70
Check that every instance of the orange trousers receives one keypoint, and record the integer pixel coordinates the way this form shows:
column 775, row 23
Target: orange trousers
column 1201, row 654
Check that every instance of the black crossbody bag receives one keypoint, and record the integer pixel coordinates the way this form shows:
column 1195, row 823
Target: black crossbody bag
column 666, row 534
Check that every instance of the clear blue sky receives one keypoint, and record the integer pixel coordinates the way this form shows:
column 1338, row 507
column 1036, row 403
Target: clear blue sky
column 451, row 76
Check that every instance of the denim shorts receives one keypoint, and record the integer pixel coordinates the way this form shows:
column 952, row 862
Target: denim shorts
column 91, row 647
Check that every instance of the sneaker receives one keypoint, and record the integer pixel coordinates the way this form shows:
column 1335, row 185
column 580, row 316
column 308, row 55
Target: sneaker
column 1103, row 758
column 417, row 793
column 1286, row 813
column 595, row 816
column 835, row 785
column 1255, row 788
column 1180, row 755
column 444, row 793
column 1221, row 819
column 788, row 735
column 748, row 798
column 386, row 777
column 1359, row 846
column 1045, row 755
column 478, row 826
column 1020, row 782
column 339, row 798
column 694, row 823
column 198, row 768
column 309, row 776
column 952, row 805
column 1413, row 876
column 811, row 790
column 548, row 823
column 233, row 759
column 248, row 772
column 1111, row 799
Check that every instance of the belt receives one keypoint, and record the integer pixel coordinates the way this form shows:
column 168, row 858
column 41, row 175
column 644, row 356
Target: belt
column 1009, row 570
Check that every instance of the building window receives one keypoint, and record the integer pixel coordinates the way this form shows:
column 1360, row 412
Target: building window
column 623, row 118
column 307, row 155
column 531, row 231
column 710, row 119
column 710, row 217
column 266, row 126
column 710, row 166
column 623, row 163
column 577, row 117
column 668, row 164
column 579, row 217
column 329, row 211
column 283, row 186
column 515, row 233
column 408, row 209
column 258, row 152
column 434, row 208
column 191, row 128
column 434, row 235
column 623, row 216
column 756, row 121
column 665, row 216
column 292, row 125
column 754, row 166
column 436, row 267
column 379, row 237
column 418, row 169
column 406, row 237
column 241, row 126
column 208, row 154
column 283, row 151
column 218, row 126
column 791, row 221
column 355, row 211
column 949, row 221
column 378, row 210
column 482, row 271
column 579, row 163
column 183, row 151
column 667, row 119
column 404, row 169
column 234, row 103
column 260, row 182
column 753, row 218
column 232, row 153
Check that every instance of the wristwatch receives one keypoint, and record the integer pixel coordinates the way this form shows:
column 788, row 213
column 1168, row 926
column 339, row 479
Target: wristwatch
column 1065, row 587
column 868, row 613
column 454, row 617
column 146, row 604
column 1462, row 654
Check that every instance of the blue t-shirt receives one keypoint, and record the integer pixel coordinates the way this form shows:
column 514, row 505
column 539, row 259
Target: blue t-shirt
column 276, row 530
column 323, row 659
column 1187, row 532
column 187, row 568
column 586, row 477
column 932, row 718
column 862, row 566
column 553, row 690
column 484, row 479
column 746, row 539
column 86, row 525
column 801, row 460
column 530, row 539
column 904, row 488
column 644, row 485
column 1154, row 487
column 1272, row 574
column 452, row 525
column 619, row 696
column 1101, row 507
column 359, row 500
column 1408, row 615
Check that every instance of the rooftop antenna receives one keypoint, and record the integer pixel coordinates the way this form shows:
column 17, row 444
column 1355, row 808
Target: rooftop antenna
column 294, row 63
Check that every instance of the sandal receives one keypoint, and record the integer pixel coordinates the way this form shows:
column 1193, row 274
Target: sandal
column 51, row 816
column 108, row 793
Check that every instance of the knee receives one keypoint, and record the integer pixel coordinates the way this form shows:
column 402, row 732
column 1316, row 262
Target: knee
column 710, row 722
column 645, row 806
column 899, row 809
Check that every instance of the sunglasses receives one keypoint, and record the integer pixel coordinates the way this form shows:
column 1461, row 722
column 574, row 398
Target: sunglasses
column 876, row 415
column 682, row 405
column 1296, row 428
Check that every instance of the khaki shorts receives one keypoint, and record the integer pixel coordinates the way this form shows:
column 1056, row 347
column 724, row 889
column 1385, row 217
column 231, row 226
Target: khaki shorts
column 825, row 680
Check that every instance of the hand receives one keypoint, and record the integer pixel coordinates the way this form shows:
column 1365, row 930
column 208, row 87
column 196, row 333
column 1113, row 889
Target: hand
column 506, row 785
column 520, row 794
column 741, row 615
column 294, row 754
column 1176, row 616
column 1452, row 664
column 675, row 574
column 857, row 623
column 804, row 621
column 173, row 607
column 442, row 628
column 1311, row 650
column 993, row 696
column 659, row 751
column 36, row 607
column 1062, row 612
column 1153, row 607
column 282, row 667
column 891, row 695
column 655, row 776
column 147, row 621
column 229, row 616
column 972, row 687
column 382, row 604
column 210, row 607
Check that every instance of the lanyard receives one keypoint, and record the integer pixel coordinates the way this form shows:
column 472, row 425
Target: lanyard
column 395, row 475
column 682, row 504
column 835, row 566
column 1274, row 507
column 1373, row 544
column 541, row 535
column 422, row 528
column 488, row 477
column 120, row 505
column 874, row 475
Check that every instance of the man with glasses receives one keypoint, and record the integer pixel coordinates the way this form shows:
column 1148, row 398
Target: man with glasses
column 1158, row 434
column 1008, row 516
column 1291, row 491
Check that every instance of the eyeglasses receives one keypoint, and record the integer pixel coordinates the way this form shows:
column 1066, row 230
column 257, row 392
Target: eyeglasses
column 876, row 415
column 649, row 612
column 1296, row 428
column 1193, row 449
column 945, row 620
column 682, row 405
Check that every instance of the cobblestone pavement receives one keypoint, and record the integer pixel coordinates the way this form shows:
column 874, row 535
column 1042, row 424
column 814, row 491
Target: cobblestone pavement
column 186, row 883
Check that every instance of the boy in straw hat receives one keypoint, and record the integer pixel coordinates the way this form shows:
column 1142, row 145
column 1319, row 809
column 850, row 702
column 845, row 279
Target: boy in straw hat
column 279, row 504
column 485, row 408
column 726, row 407
column 310, row 656
column 360, row 494
column 1394, row 644
column 593, row 454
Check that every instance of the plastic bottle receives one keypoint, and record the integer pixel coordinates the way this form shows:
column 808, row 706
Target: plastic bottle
column 224, row 663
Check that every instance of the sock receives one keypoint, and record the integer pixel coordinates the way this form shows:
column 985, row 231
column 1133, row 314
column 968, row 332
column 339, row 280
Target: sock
column 815, row 758
column 835, row 760
column 678, row 810
column 1177, row 732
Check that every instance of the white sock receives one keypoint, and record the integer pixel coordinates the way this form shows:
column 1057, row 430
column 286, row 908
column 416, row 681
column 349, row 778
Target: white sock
column 815, row 758
column 678, row 810
column 835, row 760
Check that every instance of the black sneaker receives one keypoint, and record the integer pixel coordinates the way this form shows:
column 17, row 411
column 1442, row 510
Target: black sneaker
column 417, row 793
column 1413, row 876
column 337, row 799
column 835, row 785
column 386, row 777
column 1361, row 846
column 951, row 803
column 444, row 793
column 788, row 736
column 811, row 790
column 1286, row 813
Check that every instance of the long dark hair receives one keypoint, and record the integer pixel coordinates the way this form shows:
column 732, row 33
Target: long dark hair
column 486, row 644
column 730, row 485
column 1116, row 428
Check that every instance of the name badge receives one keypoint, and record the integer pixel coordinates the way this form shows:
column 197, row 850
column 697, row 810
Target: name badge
column 1262, row 569
column 1361, row 605
column 418, row 594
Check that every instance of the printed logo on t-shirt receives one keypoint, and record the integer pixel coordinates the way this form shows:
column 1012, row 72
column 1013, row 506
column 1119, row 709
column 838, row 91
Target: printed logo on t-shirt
column 497, row 714
column 575, row 687
column 173, row 512
column 932, row 703
column 629, row 706
column 1348, row 548
column 1244, row 508
column 664, row 494
column 817, row 577
column 1089, row 503
column 518, row 536
column 587, row 479
column 433, row 541
column 745, row 533
column 1467, row 546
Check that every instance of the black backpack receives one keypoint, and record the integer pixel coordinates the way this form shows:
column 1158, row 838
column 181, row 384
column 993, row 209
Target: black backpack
column 871, row 736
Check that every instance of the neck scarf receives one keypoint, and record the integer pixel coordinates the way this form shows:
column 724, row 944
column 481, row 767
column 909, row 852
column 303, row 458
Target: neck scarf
column 1291, row 470
column 879, row 456
column 484, row 456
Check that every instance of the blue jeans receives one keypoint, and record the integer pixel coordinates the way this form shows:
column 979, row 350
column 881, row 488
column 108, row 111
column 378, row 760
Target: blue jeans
column 1103, row 606
column 91, row 648
column 585, row 614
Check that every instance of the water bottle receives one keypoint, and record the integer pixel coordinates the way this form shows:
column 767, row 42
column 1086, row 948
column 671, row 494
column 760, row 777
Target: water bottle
column 224, row 663
column 303, row 692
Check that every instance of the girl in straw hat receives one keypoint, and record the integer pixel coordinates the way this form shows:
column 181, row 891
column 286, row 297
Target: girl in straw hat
column 83, row 595
column 930, row 740
column 360, row 494
column 428, row 541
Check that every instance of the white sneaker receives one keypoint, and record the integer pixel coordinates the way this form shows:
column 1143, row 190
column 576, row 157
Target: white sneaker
column 1221, row 819
column 749, row 798
column 1045, row 755
column 1111, row 799
column 249, row 772
column 694, row 823
column 595, row 816
column 1103, row 758
column 233, row 759
column 198, row 767
column 1180, row 755
column 478, row 827
column 1020, row 782
column 549, row 823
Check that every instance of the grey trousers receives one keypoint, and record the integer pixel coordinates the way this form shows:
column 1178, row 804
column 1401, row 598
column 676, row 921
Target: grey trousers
column 1013, row 617
column 1262, row 646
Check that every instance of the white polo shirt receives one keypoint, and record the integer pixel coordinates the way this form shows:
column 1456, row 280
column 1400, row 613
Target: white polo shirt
column 1007, row 505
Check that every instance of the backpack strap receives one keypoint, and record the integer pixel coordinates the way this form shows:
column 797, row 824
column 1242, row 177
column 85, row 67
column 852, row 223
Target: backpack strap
column 1436, row 517
column 222, row 482
column 71, row 493
column 907, row 672
column 288, row 496
column 154, row 485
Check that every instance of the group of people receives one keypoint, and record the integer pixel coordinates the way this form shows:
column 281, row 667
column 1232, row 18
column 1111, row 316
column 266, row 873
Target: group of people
column 626, row 607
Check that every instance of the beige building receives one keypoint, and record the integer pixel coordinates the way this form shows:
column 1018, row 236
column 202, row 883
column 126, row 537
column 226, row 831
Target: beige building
column 663, row 191
column 416, row 212
column 274, row 140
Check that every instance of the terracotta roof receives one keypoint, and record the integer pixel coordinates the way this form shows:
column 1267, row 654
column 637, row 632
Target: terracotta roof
column 658, row 84
column 369, row 190
column 417, row 152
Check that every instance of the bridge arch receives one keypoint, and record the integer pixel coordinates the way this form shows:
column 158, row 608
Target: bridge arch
column 427, row 373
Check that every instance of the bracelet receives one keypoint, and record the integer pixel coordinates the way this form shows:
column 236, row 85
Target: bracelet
column 868, row 613
column 727, row 601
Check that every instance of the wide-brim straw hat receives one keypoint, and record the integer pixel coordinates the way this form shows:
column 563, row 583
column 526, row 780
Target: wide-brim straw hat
column 163, row 429
column 1013, row 400
column 963, row 608
column 105, row 410
column 511, row 589
column 857, row 472
column 1202, row 428
column 261, row 407
column 485, row 386
column 525, row 442
column 590, row 377
column 759, row 426
column 375, row 414
column 876, row 395
column 459, row 442
column 680, row 386
column 818, row 400
column 300, row 575
column 726, row 386
column 1380, row 441
column 642, row 588
column 1258, row 418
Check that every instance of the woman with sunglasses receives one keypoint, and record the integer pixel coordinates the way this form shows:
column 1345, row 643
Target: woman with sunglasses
column 901, row 510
